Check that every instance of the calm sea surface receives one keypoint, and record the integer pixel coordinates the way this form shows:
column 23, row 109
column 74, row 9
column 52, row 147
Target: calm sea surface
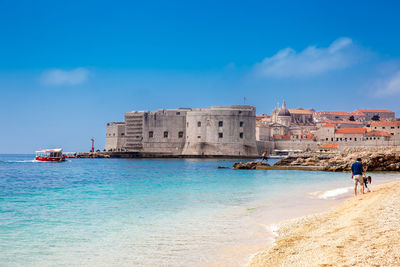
column 103, row 212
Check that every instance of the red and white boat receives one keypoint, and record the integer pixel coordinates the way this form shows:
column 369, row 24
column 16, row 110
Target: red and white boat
column 50, row 155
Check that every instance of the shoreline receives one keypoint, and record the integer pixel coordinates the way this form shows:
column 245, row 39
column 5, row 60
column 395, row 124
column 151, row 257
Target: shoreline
column 360, row 231
column 158, row 155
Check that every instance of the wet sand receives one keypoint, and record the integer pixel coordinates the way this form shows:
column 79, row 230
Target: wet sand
column 362, row 231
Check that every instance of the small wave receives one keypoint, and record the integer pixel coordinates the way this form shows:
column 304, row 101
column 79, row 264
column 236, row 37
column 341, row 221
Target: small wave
column 20, row 161
column 330, row 194
column 273, row 228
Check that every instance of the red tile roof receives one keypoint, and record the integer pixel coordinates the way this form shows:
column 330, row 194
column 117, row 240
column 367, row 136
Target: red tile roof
column 357, row 113
column 328, row 125
column 385, row 123
column 279, row 136
column 343, row 122
column 343, row 113
column 378, row 133
column 303, row 136
column 328, row 146
column 375, row 110
column 351, row 130
column 300, row 111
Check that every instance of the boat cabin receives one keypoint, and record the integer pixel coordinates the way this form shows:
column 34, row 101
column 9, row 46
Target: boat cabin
column 50, row 155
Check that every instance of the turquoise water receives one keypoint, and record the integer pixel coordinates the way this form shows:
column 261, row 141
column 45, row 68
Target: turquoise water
column 150, row 212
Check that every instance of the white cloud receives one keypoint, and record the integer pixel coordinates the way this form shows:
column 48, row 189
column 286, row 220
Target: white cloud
column 65, row 77
column 309, row 62
column 390, row 86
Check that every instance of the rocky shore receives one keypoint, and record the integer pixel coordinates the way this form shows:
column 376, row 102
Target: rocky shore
column 374, row 159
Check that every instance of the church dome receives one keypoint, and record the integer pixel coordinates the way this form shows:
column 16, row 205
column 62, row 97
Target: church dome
column 284, row 112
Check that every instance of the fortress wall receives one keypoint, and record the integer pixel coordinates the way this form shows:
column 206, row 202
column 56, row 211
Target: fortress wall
column 368, row 143
column 115, row 136
column 265, row 146
column 203, row 131
column 171, row 122
column 303, row 145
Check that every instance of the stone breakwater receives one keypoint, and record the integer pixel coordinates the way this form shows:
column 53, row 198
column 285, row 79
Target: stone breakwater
column 374, row 159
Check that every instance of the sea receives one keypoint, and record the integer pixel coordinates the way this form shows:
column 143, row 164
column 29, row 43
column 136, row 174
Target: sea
column 152, row 212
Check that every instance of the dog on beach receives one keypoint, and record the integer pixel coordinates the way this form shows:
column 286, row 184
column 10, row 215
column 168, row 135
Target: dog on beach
column 367, row 181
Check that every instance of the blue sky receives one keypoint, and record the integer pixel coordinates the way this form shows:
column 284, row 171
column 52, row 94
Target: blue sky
column 68, row 67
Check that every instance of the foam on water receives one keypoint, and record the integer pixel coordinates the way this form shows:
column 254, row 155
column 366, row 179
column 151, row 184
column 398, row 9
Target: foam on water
column 20, row 161
column 331, row 194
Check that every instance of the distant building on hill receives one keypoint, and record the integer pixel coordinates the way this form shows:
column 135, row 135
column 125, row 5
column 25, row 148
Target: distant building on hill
column 301, row 116
column 330, row 115
column 370, row 114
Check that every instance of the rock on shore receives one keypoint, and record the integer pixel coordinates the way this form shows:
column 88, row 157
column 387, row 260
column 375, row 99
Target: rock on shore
column 253, row 165
column 374, row 159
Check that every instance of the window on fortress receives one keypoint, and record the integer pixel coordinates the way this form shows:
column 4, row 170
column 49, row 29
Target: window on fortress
column 199, row 124
column 220, row 135
column 355, row 138
column 241, row 135
column 392, row 127
column 165, row 134
column 150, row 134
column 113, row 134
column 392, row 133
column 122, row 134
column 220, row 123
column 198, row 136
column 383, row 127
column 178, row 113
column 241, row 124
column 327, row 139
column 180, row 135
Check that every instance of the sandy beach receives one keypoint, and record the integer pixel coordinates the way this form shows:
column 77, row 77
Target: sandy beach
column 362, row 231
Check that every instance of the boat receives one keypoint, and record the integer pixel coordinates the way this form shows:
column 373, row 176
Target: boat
column 70, row 155
column 50, row 155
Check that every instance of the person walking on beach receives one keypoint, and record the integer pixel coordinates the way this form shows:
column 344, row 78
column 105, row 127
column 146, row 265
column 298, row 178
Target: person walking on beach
column 357, row 172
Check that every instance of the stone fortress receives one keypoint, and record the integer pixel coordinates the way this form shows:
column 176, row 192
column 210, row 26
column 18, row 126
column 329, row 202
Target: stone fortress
column 236, row 131
column 214, row 131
